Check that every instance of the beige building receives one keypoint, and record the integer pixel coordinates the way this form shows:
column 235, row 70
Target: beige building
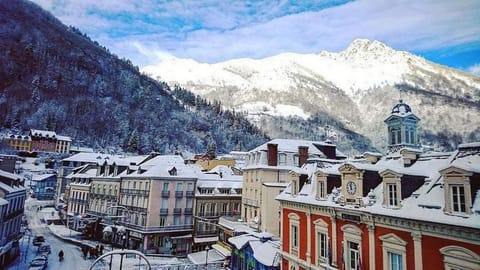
column 158, row 199
column 218, row 194
column 265, row 176
column 63, row 144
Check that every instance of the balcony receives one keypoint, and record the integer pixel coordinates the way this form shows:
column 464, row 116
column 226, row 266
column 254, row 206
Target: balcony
column 164, row 211
column 177, row 211
column 178, row 194
column 190, row 193
column 165, row 193
column 188, row 211
column 171, row 228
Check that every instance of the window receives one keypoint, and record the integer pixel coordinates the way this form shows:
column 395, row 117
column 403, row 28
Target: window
column 392, row 194
column 294, row 233
column 294, row 236
column 459, row 258
column 395, row 261
column 296, row 160
column 180, row 186
column 394, row 252
column 321, row 241
column 178, row 202
column 353, row 256
column 164, row 203
column 457, row 195
column 189, row 203
column 162, row 221
column 176, row 220
column 352, row 236
column 165, row 186
column 202, row 209
column 321, row 189
column 322, row 247
column 188, row 220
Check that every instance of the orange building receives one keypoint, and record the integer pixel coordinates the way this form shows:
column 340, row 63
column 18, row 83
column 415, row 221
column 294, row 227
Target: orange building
column 408, row 209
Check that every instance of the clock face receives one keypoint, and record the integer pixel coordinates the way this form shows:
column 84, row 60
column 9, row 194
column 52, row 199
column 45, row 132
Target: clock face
column 351, row 187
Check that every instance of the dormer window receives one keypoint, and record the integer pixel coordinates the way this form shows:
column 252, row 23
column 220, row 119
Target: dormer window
column 458, row 195
column 392, row 198
column 294, row 179
column 391, row 188
column 321, row 186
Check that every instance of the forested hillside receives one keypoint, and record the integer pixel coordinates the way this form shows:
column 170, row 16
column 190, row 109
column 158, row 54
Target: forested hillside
column 54, row 77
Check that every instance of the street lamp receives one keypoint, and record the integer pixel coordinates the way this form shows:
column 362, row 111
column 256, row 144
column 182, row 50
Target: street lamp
column 206, row 257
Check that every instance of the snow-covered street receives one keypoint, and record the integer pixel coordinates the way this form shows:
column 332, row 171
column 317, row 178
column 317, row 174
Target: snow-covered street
column 28, row 251
column 57, row 236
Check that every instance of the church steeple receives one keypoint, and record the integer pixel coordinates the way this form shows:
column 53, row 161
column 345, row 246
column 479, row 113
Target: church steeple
column 402, row 127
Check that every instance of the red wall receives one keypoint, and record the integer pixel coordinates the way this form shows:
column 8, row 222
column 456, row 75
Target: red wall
column 364, row 246
column 406, row 236
column 432, row 258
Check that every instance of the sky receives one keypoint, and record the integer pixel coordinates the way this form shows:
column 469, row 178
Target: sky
column 210, row 31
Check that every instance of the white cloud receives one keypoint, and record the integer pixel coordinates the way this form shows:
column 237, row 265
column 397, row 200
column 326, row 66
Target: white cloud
column 212, row 31
column 474, row 69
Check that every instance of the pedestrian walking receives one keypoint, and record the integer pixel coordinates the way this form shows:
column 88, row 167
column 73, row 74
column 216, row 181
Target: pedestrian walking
column 84, row 251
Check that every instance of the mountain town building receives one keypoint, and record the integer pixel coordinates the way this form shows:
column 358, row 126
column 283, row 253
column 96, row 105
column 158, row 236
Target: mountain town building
column 408, row 209
column 265, row 176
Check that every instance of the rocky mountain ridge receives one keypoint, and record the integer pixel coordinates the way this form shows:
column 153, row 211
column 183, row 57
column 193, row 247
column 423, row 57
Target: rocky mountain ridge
column 354, row 89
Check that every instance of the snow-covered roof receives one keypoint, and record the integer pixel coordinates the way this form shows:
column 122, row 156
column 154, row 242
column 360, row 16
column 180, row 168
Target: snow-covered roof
column 289, row 145
column 10, row 175
column 266, row 252
column 43, row 133
column 164, row 166
column 427, row 203
column 41, row 177
column 240, row 241
column 64, row 138
column 11, row 189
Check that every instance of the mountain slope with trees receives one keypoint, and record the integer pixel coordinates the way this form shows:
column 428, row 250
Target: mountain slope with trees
column 54, row 77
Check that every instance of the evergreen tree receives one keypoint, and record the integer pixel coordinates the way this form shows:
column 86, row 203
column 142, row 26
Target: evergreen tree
column 133, row 142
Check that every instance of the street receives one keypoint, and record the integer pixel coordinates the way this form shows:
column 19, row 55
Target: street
column 72, row 259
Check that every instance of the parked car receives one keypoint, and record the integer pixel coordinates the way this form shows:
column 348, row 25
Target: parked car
column 39, row 263
column 44, row 248
column 38, row 240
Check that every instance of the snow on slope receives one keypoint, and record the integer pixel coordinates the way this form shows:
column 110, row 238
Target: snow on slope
column 363, row 65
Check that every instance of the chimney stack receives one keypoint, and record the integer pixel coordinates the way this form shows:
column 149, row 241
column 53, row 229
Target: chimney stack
column 272, row 154
column 302, row 155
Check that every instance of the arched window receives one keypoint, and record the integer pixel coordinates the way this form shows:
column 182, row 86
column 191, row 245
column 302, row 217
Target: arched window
column 455, row 257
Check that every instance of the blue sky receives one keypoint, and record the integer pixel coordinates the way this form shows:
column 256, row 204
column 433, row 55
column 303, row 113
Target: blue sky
column 145, row 31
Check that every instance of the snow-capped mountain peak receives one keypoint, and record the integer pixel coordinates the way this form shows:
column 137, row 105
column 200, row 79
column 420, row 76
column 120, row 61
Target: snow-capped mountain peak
column 358, row 78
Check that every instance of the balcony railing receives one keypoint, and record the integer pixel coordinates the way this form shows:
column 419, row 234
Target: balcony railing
column 177, row 211
column 164, row 211
column 152, row 229
column 178, row 194
column 94, row 213
column 165, row 193
column 134, row 191
column 190, row 193
column 188, row 211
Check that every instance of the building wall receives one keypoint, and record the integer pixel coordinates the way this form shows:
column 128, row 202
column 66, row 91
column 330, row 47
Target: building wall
column 270, row 210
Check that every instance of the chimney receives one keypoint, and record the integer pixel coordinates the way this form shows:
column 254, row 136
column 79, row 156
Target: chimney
column 302, row 155
column 272, row 154
column 329, row 150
